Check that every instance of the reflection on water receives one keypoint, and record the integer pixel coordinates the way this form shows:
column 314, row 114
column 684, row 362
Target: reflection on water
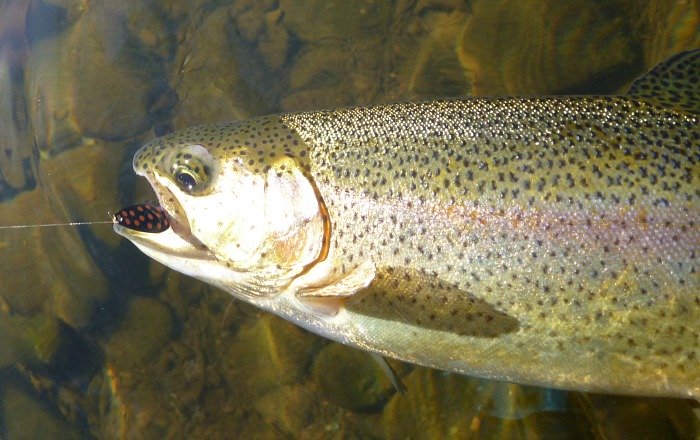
column 98, row 341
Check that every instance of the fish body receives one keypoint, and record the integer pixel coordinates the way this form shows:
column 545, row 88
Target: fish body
column 548, row 241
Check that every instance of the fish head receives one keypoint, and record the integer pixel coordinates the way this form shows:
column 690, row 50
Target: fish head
column 244, row 214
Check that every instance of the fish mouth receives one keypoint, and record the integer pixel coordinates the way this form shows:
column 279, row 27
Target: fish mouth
column 175, row 214
column 176, row 240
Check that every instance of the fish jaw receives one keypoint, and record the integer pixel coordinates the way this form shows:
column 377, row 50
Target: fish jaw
column 249, row 226
column 171, row 249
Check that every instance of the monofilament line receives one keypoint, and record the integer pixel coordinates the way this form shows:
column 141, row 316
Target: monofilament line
column 49, row 225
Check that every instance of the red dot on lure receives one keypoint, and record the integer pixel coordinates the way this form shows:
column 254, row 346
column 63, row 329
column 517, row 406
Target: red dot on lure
column 143, row 218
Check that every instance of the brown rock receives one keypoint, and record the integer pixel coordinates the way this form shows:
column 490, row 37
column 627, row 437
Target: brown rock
column 351, row 378
column 550, row 47
column 268, row 354
column 210, row 82
column 315, row 20
column 112, row 77
column 146, row 330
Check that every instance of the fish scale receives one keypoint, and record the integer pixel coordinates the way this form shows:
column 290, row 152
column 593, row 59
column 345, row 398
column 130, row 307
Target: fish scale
column 565, row 214
column 548, row 241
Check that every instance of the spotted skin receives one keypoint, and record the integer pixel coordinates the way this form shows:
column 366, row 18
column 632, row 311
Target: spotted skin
column 662, row 87
column 143, row 218
column 549, row 241
column 579, row 217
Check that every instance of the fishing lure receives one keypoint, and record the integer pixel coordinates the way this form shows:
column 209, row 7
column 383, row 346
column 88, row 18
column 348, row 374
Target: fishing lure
column 143, row 218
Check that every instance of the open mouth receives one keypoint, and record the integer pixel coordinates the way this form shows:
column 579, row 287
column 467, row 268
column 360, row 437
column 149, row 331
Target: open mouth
column 155, row 231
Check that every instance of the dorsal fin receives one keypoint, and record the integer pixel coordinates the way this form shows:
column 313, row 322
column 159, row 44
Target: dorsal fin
column 674, row 83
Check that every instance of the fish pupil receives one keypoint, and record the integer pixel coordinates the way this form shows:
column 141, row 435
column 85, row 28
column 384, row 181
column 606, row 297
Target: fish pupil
column 186, row 180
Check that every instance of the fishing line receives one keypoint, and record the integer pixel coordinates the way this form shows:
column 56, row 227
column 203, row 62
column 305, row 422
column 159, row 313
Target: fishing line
column 145, row 217
column 53, row 225
column 50, row 225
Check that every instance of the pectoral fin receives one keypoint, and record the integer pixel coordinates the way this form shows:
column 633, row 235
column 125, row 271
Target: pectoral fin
column 325, row 290
column 322, row 282
column 391, row 374
column 417, row 300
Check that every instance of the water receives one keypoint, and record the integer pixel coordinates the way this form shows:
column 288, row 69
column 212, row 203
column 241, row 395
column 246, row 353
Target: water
column 97, row 341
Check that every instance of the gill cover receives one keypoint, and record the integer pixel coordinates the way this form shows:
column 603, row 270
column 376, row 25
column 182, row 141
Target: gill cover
column 252, row 217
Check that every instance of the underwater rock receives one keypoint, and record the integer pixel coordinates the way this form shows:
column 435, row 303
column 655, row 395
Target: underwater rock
column 407, row 52
column 443, row 405
column 317, row 79
column 95, row 79
column 334, row 74
column 296, row 411
column 30, row 341
column 351, row 378
column 210, row 80
column 15, row 142
column 432, row 70
column 546, row 47
column 664, row 28
column 250, row 16
column 65, row 285
column 268, row 354
column 25, row 415
column 259, row 23
column 316, row 20
column 146, row 24
column 289, row 408
column 213, row 380
column 342, row 53
column 81, row 184
column 146, row 330
column 49, row 99
column 274, row 42
column 66, row 281
column 128, row 403
column 438, row 405
column 619, row 417
column 110, row 67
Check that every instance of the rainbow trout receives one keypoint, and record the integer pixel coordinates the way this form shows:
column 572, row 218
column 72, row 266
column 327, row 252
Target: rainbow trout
column 548, row 241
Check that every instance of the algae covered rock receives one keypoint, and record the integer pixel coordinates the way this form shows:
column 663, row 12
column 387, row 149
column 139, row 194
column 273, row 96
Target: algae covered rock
column 211, row 69
column 315, row 20
column 664, row 27
column 25, row 415
column 32, row 341
column 113, row 77
column 65, row 280
column 290, row 408
column 629, row 417
column 351, row 378
column 15, row 140
column 66, row 286
column 319, row 78
column 144, row 333
column 452, row 406
column 96, row 78
column 431, row 68
column 546, row 47
column 269, row 353
column 437, row 405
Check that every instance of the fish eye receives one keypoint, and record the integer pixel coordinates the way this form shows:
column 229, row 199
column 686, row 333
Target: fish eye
column 186, row 180
column 191, row 168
